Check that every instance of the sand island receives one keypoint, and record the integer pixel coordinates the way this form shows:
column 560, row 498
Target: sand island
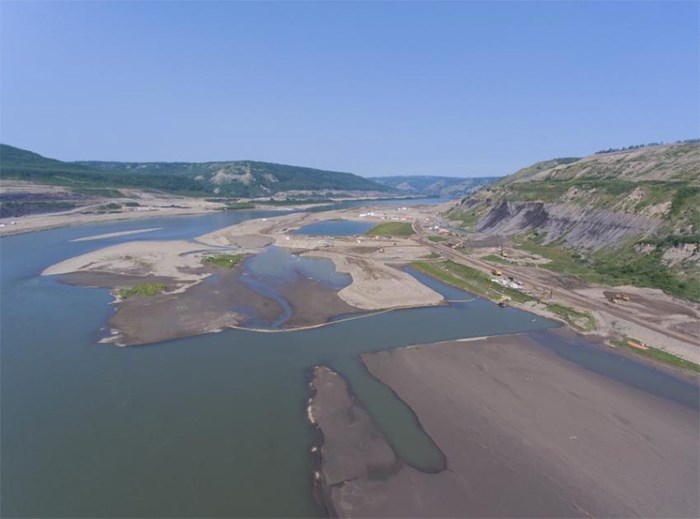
column 593, row 446
column 170, row 289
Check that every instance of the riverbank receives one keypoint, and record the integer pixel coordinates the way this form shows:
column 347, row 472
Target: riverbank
column 146, row 207
column 224, row 300
column 648, row 315
column 197, row 298
column 525, row 433
column 134, row 204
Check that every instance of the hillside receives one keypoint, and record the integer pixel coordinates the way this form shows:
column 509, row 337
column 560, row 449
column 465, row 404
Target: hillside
column 428, row 185
column 629, row 216
column 232, row 178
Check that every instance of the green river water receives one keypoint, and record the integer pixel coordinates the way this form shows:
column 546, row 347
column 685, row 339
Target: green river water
column 210, row 426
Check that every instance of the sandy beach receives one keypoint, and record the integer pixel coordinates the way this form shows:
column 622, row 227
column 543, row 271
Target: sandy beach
column 376, row 286
column 525, row 433
column 173, row 259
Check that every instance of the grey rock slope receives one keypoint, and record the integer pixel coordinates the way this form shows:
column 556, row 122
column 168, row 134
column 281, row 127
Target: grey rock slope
column 576, row 225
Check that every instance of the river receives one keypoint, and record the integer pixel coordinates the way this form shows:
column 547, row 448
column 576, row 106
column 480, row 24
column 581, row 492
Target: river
column 209, row 426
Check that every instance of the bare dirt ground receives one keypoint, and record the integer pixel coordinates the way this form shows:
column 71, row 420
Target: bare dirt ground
column 135, row 205
column 199, row 309
column 377, row 286
column 313, row 303
column 178, row 260
column 194, row 304
column 20, row 186
column 660, row 320
column 94, row 210
column 650, row 316
column 210, row 306
column 525, row 433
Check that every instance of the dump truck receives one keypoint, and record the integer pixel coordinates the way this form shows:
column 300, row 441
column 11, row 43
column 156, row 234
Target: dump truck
column 619, row 297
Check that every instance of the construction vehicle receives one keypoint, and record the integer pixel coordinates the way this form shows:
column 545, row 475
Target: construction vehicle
column 496, row 272
column 619, row 297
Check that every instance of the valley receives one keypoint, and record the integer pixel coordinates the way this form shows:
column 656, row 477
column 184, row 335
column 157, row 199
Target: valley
column 377, row 308
column 353, row 259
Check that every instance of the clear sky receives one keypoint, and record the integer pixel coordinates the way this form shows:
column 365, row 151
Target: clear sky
column 385, row 88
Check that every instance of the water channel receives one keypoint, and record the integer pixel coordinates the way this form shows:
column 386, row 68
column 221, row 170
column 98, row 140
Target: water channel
column 209, row 426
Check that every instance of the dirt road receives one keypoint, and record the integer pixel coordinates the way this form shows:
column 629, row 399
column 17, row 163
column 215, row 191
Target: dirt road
column 564, row 295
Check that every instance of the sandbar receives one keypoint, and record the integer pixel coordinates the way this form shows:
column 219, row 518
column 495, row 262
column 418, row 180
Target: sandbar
column 116, row 234
column 525, row 433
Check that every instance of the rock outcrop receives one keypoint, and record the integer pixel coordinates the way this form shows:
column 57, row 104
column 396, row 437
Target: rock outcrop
column 576, row 226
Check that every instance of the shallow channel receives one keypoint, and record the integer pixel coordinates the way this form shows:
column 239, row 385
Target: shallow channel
column 335, row 228
column 209, row 426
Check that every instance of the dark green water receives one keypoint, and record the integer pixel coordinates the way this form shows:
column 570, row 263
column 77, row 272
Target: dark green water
column 212, row 426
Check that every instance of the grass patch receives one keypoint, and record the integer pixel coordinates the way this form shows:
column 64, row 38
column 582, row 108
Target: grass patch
column 623, row 266
column 146, row 289
column 469, row 279
column 583, row 321
column 496, row 259
column 560, row 259
column 467, row 219
column 432, row 255
column 436, row 238
column 112, row 207
column 660, row 355
column 506, row 261
column 392, row 229
column 226, row 261
column 645, row 270
column 14, row 208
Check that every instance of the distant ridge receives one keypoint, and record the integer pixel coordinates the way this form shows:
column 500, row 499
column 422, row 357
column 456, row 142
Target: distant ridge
column 439, row 186
column 227, row 178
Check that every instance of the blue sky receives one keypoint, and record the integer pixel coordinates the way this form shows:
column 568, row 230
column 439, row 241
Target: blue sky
column 374, row 88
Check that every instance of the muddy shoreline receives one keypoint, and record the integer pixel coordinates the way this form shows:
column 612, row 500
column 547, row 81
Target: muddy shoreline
column 351, row 447
column 222, row 300
column 508, row 412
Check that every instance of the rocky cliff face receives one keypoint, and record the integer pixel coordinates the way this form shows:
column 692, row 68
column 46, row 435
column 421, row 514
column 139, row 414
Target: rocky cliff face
column 569, row 224
column 599, row 201
column 621, row 217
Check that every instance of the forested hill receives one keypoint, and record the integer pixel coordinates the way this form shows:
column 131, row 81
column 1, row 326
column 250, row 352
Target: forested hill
column 231, row 178
column 429, row 185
